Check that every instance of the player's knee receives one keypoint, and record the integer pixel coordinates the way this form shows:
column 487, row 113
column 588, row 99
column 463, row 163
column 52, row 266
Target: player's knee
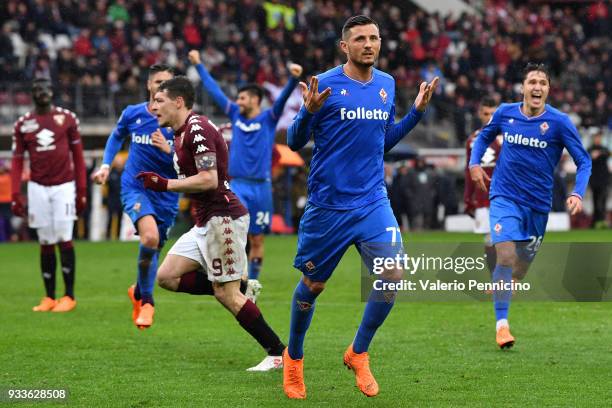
column 256, row 241
column 149, row 239
column 315, row 287
column 519, row 271
column 506, row 253
column 164, row 278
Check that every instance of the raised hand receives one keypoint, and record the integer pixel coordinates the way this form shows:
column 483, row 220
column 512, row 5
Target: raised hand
column 194, row 57
column 158, row 140
column 426, row 90
column 313, row 100
column 479, row 177
column 295, row 70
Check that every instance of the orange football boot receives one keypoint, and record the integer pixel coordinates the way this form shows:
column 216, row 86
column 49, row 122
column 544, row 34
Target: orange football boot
column 65, row 304
column 360, row 364
column 504, row 339
column 135, row 303
column 293, row 377
column 145, row 317
column 46, row 305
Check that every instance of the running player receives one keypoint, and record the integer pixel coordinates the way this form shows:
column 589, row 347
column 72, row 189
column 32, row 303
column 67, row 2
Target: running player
column 152, row 214
column 217, row 241
column 349, row 111
column 535, row 135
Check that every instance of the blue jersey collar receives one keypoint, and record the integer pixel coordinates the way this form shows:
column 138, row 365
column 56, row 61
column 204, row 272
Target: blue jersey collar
column 520, row 108
column 355, row 80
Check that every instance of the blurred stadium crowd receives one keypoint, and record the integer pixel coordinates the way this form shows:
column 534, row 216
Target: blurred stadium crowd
column 96, row 51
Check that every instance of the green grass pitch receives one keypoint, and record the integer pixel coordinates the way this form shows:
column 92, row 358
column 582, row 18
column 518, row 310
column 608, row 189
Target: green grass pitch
column 426, row 354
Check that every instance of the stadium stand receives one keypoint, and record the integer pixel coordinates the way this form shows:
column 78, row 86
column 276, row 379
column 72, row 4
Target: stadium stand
column 96, row 51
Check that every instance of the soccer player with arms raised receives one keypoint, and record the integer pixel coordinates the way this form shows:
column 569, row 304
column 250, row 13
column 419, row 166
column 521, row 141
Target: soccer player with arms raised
column 477, row 201
column 152, row 214
column 535, row 135
column 217, row 241
column 250, row 156
column 50, row 135
column 349, row 111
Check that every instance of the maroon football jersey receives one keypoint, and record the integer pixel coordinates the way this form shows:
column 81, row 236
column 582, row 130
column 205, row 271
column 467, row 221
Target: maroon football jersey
column 199, row 145
column 49, row 140
column 473, row 195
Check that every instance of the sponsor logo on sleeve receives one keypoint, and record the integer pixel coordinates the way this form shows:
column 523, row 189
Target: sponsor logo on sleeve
column 201, row 149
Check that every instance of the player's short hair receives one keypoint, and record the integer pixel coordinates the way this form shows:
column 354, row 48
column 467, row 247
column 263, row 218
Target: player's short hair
column 179, row 86
column 155, row 68
column 253, row 90
column 488, row 101
column 536, row 66
column 358, row 20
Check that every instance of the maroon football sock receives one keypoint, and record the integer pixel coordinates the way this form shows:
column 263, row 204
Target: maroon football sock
column 197, row 283
column 251, row 320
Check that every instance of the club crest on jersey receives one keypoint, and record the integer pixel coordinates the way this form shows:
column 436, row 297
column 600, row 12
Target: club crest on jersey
column 59, row 119
column 511, row 120
column 309, row 265
column 344, row 92
column 498, row 228
column 136, row 207
column 544, row 127
column 383, row 95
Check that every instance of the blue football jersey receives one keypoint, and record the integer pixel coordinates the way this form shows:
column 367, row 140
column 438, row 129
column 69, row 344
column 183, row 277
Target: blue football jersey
column 250, row 154
column 137, row 123
column 532, row 148
column 349, row 132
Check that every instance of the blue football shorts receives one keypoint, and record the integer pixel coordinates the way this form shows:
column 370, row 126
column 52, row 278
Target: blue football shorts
column 324, row 236
column 511, row 221
column 256, row 196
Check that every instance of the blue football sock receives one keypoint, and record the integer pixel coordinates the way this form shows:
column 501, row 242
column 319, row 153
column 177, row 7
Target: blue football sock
column 302, row 309
column 255, row 268
column 501, row 298
column 147, row 270
column 376, row 311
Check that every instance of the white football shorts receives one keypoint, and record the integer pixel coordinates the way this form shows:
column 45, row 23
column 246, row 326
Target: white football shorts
column 219, row 246
column 52, row 211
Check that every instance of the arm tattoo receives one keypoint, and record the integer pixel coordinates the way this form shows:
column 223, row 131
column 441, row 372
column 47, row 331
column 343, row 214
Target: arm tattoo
column 206, row 161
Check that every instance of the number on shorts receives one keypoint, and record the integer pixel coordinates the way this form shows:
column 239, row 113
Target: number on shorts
column 262, row 218
column 395, row 232
column 217, row 266
column 70, row 209
column 534, row 244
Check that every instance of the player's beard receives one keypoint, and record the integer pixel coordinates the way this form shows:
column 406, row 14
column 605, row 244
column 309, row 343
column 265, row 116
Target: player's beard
column 359, row 63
